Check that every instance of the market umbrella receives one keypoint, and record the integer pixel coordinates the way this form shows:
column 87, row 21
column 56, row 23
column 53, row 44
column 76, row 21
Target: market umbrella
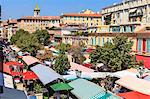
column 14, row 63
column 13, row 73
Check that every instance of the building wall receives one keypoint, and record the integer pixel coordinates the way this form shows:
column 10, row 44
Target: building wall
column 75, row 40
column 31, row 25
column 129, row 13
column 143, row 46
column 143, row 51
column 145, row 59
column 94, row 40
column 55, row 23
column 86, row 20
column 99, row 29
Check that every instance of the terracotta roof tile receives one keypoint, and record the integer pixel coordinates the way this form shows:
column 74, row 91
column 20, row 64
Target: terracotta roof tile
column 83, row 15
column 42, row 17
column 12, row 21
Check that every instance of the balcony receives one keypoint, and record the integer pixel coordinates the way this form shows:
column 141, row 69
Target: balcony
column 135, row 14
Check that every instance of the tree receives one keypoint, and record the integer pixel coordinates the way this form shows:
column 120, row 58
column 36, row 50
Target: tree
column 43, row 36
column 47, row 55
column 18, row 34
column 61, row 64
column 26, row 41
column 77, row 54
column 63, row 47
column 115, row 56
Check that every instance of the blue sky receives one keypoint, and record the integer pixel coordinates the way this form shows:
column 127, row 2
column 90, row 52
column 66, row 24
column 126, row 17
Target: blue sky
column 18, row 8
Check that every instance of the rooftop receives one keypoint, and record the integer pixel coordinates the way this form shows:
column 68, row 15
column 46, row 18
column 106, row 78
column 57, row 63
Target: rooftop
column 84, row 89
column 116, row 4
column 83, row 15
column 12, row 21
column 41, row 18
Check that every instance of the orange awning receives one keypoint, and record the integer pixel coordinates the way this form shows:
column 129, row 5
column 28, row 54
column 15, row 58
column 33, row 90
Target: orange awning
column 133, row 95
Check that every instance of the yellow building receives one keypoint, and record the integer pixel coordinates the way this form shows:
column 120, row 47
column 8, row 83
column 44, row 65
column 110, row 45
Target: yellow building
column 32, row 23
column 87, row 18
column 99, row 29
column 97, row 39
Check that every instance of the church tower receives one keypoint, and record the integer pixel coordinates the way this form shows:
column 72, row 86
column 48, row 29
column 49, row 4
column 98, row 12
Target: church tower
column 36, row 11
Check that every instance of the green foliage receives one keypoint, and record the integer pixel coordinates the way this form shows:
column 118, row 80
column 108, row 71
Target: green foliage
column 77, row 54
column 43, row 36
column 46, row 56
column 116, row 56
column 26, row 41
column 19, row 33
column 61, row 64
column 63, row 47
column 37, row 87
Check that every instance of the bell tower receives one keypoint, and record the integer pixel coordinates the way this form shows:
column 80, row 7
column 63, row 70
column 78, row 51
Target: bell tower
column 36, row 11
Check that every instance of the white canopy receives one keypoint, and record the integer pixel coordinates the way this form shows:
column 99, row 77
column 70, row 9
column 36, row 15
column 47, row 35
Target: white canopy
column 135, row 84
column 123, row 73
column 75, row 66
column 90, row 75
column 69, row 77
column 30, row 60
column 6, row 80
column 45, row 74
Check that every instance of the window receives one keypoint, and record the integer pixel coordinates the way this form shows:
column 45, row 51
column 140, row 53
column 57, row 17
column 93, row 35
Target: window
column 83, row 18
column 70, row 18
column 94, row 40
column 140, row 45
column 110, row 40
column 74, row 18
column 66, row 18
column 78, row 18
column 99, row 41
column 107, row 39
column 91, row 24
column 91, row 41
column 103, row 41
column 148, row 45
